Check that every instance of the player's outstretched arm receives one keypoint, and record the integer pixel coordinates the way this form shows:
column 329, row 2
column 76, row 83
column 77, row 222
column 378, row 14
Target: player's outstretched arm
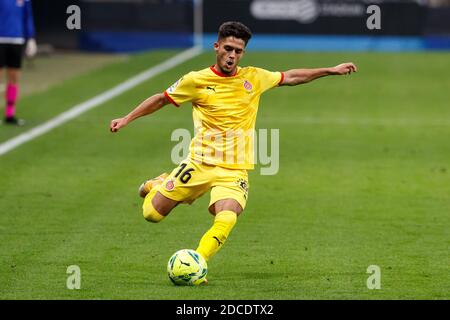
column 298, row 76
column 148, row 106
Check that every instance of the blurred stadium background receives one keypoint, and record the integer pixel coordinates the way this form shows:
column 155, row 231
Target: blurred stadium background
column 134, row 25
column 364, row 160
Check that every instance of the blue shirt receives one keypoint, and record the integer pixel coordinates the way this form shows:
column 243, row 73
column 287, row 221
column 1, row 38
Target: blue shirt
column 16, row 21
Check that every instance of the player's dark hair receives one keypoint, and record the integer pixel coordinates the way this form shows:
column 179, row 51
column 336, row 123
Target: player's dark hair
column 235, row 29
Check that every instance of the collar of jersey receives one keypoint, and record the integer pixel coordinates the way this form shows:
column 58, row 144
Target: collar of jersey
column 220, row 74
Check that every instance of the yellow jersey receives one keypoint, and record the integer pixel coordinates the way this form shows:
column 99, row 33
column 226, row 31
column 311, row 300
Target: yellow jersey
column 224, row 112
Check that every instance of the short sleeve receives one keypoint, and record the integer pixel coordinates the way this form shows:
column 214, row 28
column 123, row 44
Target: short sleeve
column 269, row 79
column 182, row 90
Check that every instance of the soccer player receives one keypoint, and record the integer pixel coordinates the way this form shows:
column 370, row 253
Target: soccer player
column 16, row 30
column 225, row 100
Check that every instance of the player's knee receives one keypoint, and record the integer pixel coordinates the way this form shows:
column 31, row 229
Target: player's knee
column 150, row 213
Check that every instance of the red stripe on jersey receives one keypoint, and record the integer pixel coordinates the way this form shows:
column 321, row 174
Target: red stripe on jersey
column 220, row 74
column 170, row 99
column 282, row 78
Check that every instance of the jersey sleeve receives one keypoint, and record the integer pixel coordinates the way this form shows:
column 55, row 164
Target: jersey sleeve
column 28, row 23
column 183, row 90
column 269, row 79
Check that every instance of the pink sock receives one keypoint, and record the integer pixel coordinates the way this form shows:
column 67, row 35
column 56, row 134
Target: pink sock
column 11, row 97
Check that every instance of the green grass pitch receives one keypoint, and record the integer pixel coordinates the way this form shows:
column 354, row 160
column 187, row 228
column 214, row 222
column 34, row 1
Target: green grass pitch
column 364, row 180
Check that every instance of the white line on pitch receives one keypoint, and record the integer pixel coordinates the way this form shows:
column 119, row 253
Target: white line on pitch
column 406, row 122
column 97, row 100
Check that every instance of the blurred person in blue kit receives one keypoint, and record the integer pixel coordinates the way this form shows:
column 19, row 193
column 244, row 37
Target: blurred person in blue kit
column 16, row 34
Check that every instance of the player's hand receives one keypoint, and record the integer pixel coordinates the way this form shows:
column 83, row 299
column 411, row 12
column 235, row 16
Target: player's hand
column 116, row 124
column 344, row 68
column 31, row 48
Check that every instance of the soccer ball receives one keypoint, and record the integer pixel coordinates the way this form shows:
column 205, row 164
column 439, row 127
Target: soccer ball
column 187, row 268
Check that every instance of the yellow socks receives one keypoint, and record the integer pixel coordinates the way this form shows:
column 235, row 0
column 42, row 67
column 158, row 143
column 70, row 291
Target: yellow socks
column 149, row 212
column 215, row 237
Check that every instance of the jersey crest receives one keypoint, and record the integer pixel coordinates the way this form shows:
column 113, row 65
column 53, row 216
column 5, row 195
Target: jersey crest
column 247, row 85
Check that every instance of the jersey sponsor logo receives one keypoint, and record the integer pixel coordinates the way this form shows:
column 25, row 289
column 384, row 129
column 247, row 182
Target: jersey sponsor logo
column 303, row 11
column 170, row 185
column 174, row 86
column 219, row 243
column 211, row 88
column 247, row 85
column 243, row 185
column 185, row 263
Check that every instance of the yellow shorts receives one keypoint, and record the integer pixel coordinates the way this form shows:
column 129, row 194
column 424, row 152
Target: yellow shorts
column 191, row 179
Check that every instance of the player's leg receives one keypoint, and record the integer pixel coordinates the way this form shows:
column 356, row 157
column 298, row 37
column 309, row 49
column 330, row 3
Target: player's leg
column 13, row 76
column 1, row 74
column 148, row 185
column 12, row 92
column 227, row 211
column 156, row 206
column 14, row 63
column 184, row 184
column 2, row 62
column 228, row 201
